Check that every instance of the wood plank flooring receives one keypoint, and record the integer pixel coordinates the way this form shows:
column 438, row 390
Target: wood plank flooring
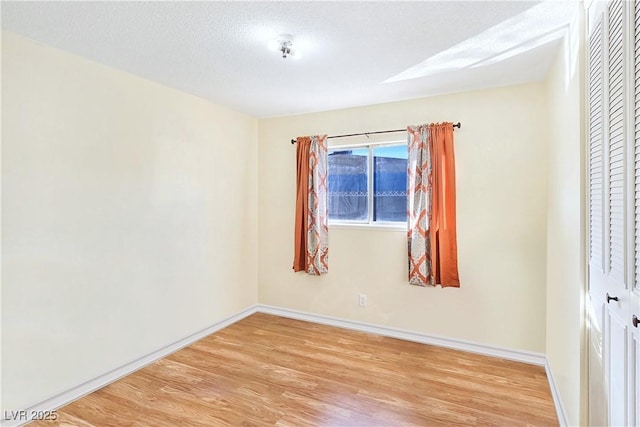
column 271, row 371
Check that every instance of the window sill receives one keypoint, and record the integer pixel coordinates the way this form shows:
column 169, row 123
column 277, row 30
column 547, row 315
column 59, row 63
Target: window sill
column 402, row 227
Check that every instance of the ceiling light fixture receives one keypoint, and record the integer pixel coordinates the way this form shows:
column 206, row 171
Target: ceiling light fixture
column 284, row 45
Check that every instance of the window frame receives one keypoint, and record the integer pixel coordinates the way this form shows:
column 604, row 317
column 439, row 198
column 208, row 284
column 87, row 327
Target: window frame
column 369, row 223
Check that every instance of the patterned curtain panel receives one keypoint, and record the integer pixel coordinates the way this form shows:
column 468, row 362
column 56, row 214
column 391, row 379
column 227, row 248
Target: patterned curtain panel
column 419, row 205
column 431, row 203
column 311, row 248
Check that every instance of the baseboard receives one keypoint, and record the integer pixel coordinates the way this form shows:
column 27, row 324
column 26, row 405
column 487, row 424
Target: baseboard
column 555, row 394
column 83, row 389
column 487, row 350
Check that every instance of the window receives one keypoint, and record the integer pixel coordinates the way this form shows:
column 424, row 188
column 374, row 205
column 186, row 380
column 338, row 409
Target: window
column 368, row 184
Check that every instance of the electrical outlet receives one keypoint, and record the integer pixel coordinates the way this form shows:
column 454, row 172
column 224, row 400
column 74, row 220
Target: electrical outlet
column 362, row 300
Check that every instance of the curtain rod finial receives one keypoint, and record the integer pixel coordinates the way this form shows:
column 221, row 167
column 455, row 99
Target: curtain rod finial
column 293, row 141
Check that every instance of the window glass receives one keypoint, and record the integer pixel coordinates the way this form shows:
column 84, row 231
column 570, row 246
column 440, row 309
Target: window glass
column 353, row 171
column 390, row 183
column 348, row 183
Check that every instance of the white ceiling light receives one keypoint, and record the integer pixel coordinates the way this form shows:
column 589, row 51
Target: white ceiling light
column 284, row 45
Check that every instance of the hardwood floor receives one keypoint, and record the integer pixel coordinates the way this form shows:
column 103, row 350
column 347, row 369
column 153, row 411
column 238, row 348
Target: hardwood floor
column 272, row 371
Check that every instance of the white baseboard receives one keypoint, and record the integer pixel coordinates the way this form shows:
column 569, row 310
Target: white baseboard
column 555, row 394
column 487, row 350
column 83, row 389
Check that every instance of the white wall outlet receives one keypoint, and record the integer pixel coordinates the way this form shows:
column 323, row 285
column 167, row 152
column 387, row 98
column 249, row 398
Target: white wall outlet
column 362, row 300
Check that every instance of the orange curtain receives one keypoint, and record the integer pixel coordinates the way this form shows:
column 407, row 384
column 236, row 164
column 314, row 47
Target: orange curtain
column 442, row 227
column 311, row 229
column 302, row 207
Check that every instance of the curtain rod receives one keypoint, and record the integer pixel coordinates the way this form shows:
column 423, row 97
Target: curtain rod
column 456, row 125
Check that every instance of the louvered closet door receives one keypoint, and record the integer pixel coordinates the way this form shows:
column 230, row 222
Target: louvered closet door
column 616, row 310
column 634, row 196
column 613, row 292
column 598, row 403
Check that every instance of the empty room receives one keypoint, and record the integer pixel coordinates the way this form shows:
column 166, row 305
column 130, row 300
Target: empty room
column 316, row 213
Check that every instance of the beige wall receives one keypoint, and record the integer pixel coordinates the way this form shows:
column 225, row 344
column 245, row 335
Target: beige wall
column 565, row 230
column 501, row 178
column 129, row 218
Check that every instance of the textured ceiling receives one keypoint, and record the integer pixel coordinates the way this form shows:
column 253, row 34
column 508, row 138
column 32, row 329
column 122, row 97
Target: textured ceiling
column 351, row 53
